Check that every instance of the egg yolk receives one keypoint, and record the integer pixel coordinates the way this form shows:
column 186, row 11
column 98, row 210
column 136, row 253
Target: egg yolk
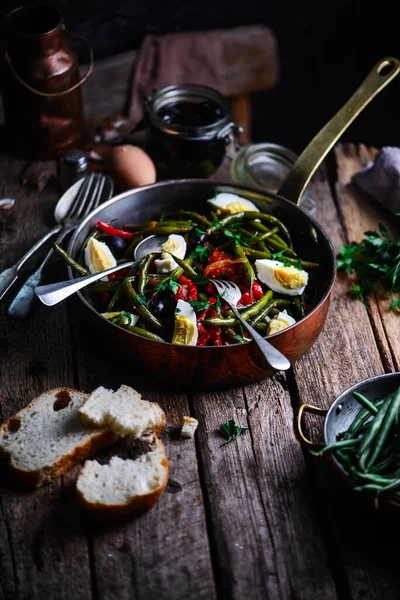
column 289, row 278
column 172, row 246
column 99, row 256
column 235, row 207
column 184, row 331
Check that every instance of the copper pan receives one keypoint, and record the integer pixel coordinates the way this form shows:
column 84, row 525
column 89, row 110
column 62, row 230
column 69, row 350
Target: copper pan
column 220, row 367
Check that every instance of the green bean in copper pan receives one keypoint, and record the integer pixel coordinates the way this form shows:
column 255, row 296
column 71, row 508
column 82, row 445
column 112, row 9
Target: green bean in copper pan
column 70, row 261
column 140, row 308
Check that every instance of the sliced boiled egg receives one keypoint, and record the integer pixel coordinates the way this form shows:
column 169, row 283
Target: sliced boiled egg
column 231, row 203
column 185, row 329
column 280, row 322
column 285, row 280
column 98, row 256
column 121, row 318
column 175, row 245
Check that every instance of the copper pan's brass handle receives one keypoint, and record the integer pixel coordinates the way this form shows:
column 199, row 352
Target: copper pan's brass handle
column 309, row 160
column 298, row 430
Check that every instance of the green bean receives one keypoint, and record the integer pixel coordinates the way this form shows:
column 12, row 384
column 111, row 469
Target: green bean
column 255, row 308
column 105, row 286
column 371, row 434
column 267, row 234
column 140, row 309
column 185, row 264
column 197, row 218
column 298, row 303
column 265, row 312
column 274, row 240
column 263, row 248
column 145, row 333
column 220, row 322
column 239, row 252
column 250, row 216
column 366, row 403
column 304, row 263
column 162, row 229
column 142, row 279
column 116, row 297
column 70, row 261
column 344, row 444
column 132, row 246
column 383, row 432
column 261, row 328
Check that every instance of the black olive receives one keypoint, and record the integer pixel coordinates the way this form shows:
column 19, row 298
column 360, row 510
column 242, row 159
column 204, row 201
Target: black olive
column 195, row 237
column 117, row 245
column 163, row 304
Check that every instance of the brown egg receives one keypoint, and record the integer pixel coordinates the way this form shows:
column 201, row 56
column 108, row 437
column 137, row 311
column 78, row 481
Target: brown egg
column 130, row 167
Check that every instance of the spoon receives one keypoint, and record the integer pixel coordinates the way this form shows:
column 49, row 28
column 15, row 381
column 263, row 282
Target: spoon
column 9, row 276
column 153, row 243
column 57, row 292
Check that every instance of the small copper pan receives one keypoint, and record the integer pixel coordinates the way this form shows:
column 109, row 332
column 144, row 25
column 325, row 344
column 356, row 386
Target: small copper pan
column 219, row 367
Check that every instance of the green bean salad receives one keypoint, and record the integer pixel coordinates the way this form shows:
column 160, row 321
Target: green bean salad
column 169, row 296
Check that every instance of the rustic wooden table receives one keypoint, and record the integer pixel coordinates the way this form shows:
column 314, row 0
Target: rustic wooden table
column 259, row 518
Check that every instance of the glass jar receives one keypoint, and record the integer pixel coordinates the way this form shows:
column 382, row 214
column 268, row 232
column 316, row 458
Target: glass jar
column 265, row 166
column 189, row 127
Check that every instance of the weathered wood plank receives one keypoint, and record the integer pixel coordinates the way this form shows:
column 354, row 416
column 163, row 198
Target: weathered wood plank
column 164, row 553
column 361, row 213
column 345, row 353
column 47, row 553
column 257, row 488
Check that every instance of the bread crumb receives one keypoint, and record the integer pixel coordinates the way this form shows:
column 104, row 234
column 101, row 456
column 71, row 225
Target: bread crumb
column 189, row 426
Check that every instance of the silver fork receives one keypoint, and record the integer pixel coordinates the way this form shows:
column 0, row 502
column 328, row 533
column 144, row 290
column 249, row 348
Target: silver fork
column 87, row 199
column 230, row 292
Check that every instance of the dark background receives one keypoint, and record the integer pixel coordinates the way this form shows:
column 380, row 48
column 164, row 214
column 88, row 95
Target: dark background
column 325, row 48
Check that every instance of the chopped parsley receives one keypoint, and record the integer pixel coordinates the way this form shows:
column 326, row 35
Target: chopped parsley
column 231, row 431
column 199, row 305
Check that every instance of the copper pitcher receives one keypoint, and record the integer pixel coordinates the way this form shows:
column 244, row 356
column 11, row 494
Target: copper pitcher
column 41, row 85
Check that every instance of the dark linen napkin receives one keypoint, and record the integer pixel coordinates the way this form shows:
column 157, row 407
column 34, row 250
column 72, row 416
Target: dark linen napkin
column 232, row 61
column 381, row 178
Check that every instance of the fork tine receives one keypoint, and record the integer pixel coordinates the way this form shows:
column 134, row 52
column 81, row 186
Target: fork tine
column 80, row 196
column 87, row 206
column 96, row 195
column 87, row 197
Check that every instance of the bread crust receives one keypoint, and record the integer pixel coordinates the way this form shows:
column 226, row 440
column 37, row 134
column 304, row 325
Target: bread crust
column 34, row 479
column 136, row 506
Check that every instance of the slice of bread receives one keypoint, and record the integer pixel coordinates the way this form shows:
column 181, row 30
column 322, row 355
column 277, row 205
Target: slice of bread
column 123, row 488
column 124, row 412
column 45, row 439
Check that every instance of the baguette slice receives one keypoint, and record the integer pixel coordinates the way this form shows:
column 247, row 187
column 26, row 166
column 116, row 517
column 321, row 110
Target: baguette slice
column 123, row 488
column 124, row 412
column 45, row 439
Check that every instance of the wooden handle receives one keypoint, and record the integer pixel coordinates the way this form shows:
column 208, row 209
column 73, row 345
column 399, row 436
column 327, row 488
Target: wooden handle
column 308, row 162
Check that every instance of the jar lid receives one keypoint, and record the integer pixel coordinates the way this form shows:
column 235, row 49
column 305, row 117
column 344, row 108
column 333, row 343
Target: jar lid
column 263, row 165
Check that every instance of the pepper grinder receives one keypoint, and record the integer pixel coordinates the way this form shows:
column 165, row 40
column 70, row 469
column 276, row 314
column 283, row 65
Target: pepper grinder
column 72, row 167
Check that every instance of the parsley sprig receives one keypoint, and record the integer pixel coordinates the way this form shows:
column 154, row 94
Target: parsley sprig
column 200, row 253
column 376, row 259
column 231, row 431
column 170, row 284
column 286, row 263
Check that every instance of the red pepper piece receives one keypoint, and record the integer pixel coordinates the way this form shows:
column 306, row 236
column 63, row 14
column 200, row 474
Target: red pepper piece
column 125, row 235
column 191, row 287
column 104, row 298
column 257, row 290
column 217, row 255
column 182, row 293
column 119, row 274
column 215, row 336
column 204, row 335
column 245, row 299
